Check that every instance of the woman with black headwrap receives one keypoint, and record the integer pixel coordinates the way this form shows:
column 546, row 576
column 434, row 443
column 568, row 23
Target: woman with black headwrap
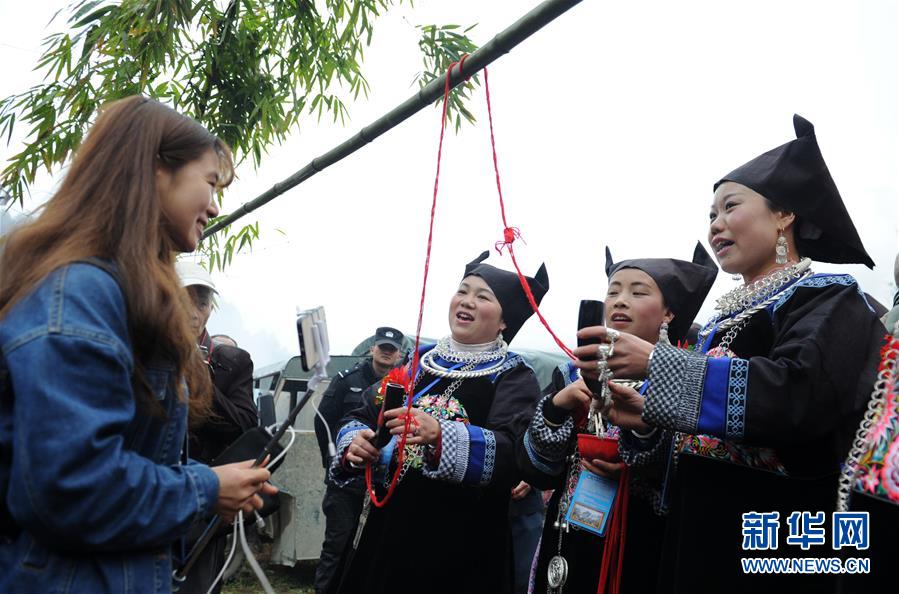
column 766, row 409
column 652, row 299
column 446, row 528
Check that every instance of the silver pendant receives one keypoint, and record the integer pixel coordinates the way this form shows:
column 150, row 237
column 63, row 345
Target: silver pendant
column 557, row 572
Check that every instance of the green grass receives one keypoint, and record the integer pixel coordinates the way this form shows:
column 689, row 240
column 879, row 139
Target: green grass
column 295, row 580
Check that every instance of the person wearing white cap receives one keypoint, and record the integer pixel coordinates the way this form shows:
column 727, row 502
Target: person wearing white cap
column 234, row 410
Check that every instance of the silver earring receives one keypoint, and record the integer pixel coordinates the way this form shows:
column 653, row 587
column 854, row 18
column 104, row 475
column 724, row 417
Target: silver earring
column 663, row 333
column 780, row 251
column 737, row 277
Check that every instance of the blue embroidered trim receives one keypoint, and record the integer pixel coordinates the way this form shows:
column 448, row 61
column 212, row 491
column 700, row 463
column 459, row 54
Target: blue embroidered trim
column 693, row 379
column 512, row 360
column 489, row 456
column 737, row 383
column 476, row 454
column 713, row 414
column 540, row 463
column 347, row 431
column 819, row 281
column 336, row 475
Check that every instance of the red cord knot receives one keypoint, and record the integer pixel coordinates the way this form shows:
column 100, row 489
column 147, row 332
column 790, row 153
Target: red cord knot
column 510, row 234
column 462, row 65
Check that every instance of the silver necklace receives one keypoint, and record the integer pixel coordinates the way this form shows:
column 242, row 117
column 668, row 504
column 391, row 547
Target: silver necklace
column 443, row 349
column 766, row 289
column 745, row 296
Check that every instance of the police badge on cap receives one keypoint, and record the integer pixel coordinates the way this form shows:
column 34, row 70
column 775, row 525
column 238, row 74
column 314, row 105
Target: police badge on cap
column 391, row 336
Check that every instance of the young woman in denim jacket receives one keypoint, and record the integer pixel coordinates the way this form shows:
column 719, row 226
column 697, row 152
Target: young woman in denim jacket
column 97, row 361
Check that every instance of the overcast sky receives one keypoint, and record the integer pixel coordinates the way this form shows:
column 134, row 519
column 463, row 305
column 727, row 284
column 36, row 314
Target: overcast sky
column 612, row 125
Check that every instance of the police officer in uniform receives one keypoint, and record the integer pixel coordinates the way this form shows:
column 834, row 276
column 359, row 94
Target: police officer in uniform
column 342, row 505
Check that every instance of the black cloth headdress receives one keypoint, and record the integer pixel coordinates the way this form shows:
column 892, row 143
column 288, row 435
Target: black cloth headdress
column 795, row 178
column 684, row 285
column 507, row 288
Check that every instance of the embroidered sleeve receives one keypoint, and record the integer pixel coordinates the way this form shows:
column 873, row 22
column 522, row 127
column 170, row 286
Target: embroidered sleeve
column 467, row 454
column 545, row 443
column 338, row 474
column 695, row 394
column 635, row 451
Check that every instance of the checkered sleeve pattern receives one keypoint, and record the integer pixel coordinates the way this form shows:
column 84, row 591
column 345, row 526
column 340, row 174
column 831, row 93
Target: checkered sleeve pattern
column 636, row 451
column 453, row 462
column 674, row 397
column 549, row 441
column 546, row 445
column 338, row 475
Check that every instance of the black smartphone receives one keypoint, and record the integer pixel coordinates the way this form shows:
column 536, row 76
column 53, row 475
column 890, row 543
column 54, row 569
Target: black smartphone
column 393, row 398
column 591, row 313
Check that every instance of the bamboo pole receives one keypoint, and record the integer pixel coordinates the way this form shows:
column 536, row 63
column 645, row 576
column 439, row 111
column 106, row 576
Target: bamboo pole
column 501, row 44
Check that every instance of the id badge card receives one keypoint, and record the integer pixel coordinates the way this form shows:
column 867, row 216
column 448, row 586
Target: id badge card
column 592, row 502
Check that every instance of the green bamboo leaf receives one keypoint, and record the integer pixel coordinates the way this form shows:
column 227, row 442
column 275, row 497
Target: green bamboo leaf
column 251, row 71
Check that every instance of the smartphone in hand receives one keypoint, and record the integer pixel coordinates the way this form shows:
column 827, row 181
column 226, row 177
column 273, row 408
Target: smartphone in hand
column 393, row 398
column 590, row 313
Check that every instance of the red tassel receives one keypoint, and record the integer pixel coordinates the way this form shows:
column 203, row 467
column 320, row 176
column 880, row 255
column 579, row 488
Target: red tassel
column 399, row 375
column 613, row 551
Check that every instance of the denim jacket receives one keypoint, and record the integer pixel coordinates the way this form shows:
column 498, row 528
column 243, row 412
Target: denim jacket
column 94, row 493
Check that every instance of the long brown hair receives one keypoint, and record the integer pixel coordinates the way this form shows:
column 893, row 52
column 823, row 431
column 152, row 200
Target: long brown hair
column 108, row 207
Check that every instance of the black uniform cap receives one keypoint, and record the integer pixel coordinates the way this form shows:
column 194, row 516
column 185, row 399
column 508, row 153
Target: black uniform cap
column 684, row 285
column 388, row 335
column 794, row 177
column 507, row 288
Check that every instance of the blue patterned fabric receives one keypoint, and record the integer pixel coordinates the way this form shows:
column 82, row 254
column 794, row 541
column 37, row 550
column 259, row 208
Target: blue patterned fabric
column 467, row 454
column 476, row 452
column 346, row 433
column 819, row 281
column 737, row 383
column 337, row 474
column 489, row 456
column 714, row 397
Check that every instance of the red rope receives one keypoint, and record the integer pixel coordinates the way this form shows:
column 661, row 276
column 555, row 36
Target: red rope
column 510, row 234
column 613, row 548
column 401, row 446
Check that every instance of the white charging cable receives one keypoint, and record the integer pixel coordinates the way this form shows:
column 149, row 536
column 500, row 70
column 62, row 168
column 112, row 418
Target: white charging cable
column 239, row 533
column 332, row 449
column 320, row 374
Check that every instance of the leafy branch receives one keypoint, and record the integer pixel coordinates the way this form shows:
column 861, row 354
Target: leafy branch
column 251, row 71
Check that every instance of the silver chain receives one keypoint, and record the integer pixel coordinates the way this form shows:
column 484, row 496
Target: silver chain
column 419, row 449
column 448, row 353
column 885, row 379
column 561, row 526
column 746, row 296
column 428, row 363
column 738, row 322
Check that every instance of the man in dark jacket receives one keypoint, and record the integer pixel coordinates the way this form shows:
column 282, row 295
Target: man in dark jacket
column 233, row 408
column 342, row 505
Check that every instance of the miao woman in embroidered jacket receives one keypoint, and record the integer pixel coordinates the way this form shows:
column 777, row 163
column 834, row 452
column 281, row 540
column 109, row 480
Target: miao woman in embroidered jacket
column 446, row 527
column 765, row 411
